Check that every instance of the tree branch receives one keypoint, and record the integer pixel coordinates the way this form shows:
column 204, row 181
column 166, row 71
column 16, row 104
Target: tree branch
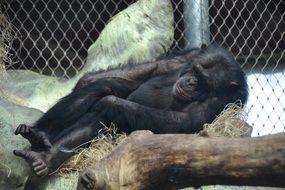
column 170, row 161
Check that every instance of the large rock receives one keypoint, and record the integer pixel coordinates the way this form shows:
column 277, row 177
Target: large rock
column 13, row 170
column 33, row 90
column 140, row 33
column 15, row 173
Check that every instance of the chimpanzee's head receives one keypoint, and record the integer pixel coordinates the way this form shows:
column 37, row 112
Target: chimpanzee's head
column 210, row 73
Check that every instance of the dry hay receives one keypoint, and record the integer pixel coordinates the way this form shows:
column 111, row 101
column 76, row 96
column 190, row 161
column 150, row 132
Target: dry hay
column 6, row 38
column 107, row 139
column 230, row 123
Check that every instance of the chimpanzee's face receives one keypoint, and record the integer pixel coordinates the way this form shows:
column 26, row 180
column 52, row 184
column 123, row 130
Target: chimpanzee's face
column 207, row 73
column 185, row 88
column 198, row 77
column 189, row 84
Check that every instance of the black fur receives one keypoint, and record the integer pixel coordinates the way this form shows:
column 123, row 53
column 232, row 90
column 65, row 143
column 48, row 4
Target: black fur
column 177, row 100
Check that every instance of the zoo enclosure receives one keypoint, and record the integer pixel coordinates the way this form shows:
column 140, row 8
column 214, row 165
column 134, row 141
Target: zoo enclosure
column 52, row 37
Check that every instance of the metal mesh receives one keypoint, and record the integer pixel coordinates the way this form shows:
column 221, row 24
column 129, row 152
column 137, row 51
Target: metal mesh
column 53, row 38
column 254, row 30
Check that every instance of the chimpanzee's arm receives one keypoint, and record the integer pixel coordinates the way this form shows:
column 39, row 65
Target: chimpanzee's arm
column 138, row 72
column 130, row 116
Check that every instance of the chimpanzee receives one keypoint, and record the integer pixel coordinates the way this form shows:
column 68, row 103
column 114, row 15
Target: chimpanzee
column 176, row 95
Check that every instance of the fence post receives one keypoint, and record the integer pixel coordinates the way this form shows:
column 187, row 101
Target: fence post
column 196, row 23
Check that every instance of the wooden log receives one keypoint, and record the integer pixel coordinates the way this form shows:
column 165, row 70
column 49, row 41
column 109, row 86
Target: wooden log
column 171, row 161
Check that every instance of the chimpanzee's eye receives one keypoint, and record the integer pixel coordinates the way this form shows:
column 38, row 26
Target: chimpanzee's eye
column 209, row 64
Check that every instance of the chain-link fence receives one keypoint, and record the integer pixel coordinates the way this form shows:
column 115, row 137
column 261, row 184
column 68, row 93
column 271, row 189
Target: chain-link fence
column 53, row 37
column 254, row 30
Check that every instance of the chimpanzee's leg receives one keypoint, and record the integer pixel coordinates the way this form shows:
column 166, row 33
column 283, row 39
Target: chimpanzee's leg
column 130, row 116
column 71, row 108
column 34, row 136
column 47, row 161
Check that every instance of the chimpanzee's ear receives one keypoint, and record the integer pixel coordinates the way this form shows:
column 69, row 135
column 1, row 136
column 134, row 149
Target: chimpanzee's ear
column 204, row 46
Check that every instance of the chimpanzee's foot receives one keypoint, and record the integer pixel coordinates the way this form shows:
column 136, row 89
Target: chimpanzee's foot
column 38, row 139
column 36, row 160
